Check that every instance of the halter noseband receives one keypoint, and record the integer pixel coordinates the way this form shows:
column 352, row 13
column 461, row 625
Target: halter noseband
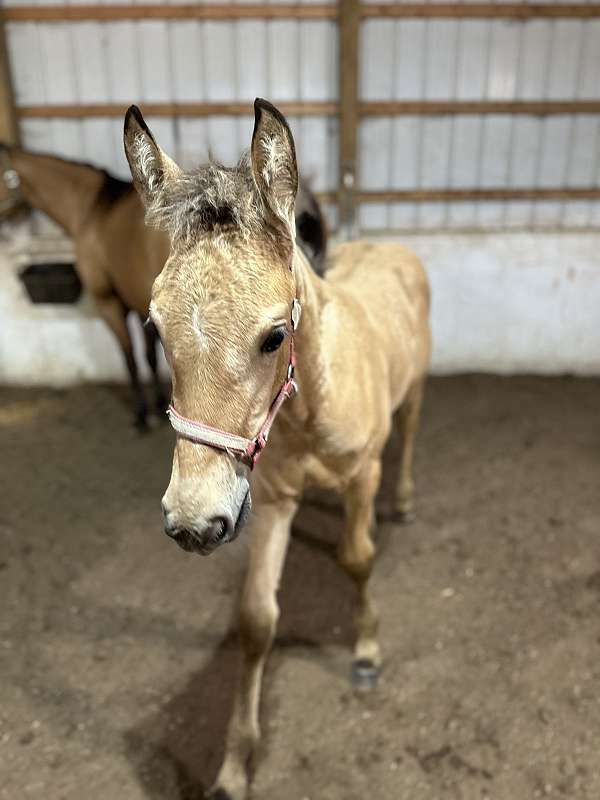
column 239, row 447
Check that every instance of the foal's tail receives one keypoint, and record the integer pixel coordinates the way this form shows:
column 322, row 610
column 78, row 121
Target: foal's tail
column 311, row 229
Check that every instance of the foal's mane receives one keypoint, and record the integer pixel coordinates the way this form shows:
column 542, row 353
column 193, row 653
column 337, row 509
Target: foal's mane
column 210, row 197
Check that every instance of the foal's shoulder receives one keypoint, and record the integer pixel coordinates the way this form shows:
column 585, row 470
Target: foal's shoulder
column 374, row 258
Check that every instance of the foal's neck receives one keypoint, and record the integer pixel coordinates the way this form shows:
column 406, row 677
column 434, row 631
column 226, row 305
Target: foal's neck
column 312, row 294
column 64, row 190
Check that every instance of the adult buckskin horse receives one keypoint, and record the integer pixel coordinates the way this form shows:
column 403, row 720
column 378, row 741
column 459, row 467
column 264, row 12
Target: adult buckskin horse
column 227, row 305
column 117, row 255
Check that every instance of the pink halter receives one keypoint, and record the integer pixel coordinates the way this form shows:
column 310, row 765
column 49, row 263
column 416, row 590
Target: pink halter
column 238, row 446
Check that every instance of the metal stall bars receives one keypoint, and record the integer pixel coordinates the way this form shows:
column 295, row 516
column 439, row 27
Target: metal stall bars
column 354, row 110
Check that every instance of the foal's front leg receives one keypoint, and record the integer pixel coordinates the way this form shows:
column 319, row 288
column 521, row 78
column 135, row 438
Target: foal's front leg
column 356, row 553
column 269, row 536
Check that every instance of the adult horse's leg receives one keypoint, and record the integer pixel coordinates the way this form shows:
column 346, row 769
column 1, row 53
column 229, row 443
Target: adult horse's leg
column 114, row 313
column 408, row 425
column 152, row 340
column 356, row 553
column 259, row 612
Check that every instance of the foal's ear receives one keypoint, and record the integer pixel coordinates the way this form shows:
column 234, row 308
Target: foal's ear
column 151, row 169
column 274, row 167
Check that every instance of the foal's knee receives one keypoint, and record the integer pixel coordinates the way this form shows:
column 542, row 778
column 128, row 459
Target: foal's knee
column 258, row 621
column 356, row 557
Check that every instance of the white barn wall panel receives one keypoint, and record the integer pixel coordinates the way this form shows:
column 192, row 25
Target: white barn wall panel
column 532, row 298
column 480, row 60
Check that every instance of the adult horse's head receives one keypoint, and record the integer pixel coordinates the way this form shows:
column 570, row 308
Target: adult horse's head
column 223, row 306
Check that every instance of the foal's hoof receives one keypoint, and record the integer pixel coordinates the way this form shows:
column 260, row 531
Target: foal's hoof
column 364, row 675
column 405, row 517
column 396, row 517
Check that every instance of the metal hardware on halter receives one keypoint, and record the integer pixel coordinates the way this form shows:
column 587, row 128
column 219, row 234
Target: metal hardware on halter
column 12, row 181
column 238, row 446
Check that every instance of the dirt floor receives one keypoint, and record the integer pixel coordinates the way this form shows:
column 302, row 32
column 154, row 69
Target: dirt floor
column 117, row 650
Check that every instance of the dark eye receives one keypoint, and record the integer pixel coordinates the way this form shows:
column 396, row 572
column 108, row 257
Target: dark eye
column 274, row 340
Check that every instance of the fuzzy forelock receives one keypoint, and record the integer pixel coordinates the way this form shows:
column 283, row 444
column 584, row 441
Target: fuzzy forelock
column 209, row 198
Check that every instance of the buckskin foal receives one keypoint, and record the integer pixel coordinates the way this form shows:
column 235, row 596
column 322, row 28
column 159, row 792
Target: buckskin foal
column 227, row 305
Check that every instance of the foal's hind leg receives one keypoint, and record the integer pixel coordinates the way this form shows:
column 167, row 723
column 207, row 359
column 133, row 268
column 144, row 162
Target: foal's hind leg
column 259, row 612
column 356, row 553
column 151, row 339
column 408, row 425
column 114, row 313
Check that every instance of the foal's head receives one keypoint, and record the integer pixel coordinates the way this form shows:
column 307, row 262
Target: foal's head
column 222, row 306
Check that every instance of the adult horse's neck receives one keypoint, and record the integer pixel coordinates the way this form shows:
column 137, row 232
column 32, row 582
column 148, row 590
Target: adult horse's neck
column 64, row 190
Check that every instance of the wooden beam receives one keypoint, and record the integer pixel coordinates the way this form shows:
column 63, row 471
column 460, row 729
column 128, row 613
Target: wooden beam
column 322, row 109
column 107, row 13
column 518, row 11
column 442, row 107
column 310, row 109
column 478, row 195
column 110, row 13
column 348, row 114
column 9, row 130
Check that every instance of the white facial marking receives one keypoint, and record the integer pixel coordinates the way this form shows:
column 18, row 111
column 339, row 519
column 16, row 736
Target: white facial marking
column 197, row 328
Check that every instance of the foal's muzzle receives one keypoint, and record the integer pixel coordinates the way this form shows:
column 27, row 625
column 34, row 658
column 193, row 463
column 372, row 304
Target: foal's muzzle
column 205, row 538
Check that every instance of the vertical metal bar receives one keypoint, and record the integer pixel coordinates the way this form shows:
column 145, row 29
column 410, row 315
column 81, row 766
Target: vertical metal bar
column 9, row 129
column 348, row 115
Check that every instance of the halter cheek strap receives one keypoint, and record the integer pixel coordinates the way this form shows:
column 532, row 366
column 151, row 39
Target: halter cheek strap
column 248, row 450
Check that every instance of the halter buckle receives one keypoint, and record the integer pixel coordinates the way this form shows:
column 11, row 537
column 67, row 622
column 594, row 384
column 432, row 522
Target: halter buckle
column 296, row 314
column 11, row 179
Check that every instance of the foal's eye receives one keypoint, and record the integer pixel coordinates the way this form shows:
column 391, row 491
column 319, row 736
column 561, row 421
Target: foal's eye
column 274, row 340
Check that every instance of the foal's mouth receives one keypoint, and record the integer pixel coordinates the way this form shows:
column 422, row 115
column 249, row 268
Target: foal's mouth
column 194, row 542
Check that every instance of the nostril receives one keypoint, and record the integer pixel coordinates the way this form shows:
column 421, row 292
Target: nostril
column 220, row 528
column 171, row 530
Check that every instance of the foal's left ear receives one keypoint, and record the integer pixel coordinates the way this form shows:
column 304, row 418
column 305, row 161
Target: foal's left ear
column 274, row 164
column 151, row 169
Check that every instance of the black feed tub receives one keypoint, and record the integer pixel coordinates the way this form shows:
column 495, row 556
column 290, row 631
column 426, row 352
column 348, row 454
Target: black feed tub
column 51, row 283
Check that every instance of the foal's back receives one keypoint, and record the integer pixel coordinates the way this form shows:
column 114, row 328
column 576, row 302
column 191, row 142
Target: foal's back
column 389, row 284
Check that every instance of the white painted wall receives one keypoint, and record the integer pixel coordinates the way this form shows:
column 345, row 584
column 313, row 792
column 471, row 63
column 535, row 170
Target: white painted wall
column 513, row 302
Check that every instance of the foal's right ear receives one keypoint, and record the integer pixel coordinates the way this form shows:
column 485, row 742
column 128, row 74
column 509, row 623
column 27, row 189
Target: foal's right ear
column 151, row 169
